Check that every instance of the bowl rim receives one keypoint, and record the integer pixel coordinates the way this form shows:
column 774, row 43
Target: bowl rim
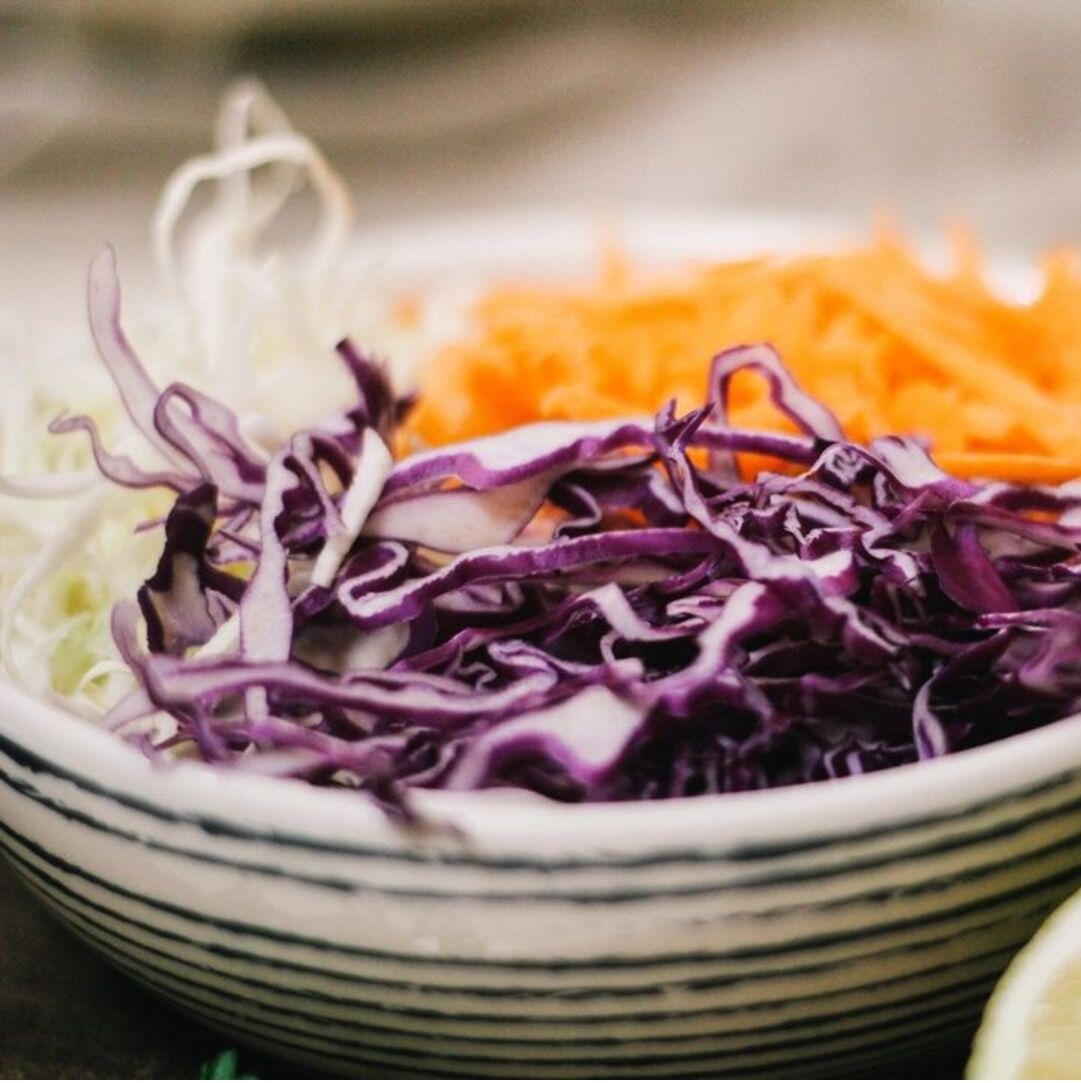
column 45, row 738
column 510, row 821
column 666, row 234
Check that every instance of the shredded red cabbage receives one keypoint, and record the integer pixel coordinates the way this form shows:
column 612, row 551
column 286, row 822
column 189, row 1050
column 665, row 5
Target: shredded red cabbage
column 603, row 611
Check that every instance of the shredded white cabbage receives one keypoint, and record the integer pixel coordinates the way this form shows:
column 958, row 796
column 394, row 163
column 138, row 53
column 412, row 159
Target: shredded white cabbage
column 249, row 321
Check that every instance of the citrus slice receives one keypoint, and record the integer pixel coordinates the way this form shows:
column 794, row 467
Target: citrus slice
column 1031, row 1027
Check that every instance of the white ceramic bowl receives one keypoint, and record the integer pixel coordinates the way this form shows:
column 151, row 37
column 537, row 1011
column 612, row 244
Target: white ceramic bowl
column 821, row 929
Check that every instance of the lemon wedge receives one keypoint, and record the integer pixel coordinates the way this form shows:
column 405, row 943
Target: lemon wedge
column 1031, row 1027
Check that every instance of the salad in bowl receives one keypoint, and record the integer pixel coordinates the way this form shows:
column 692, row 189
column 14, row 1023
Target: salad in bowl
column 656, row 605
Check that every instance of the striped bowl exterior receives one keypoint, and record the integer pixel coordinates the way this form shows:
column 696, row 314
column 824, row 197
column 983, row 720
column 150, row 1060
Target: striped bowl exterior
column 818, row 930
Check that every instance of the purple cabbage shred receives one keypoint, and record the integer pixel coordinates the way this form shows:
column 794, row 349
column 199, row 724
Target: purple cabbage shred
column 594, row 612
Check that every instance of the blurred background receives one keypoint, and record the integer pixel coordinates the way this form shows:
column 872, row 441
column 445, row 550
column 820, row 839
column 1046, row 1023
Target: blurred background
column 931, row 108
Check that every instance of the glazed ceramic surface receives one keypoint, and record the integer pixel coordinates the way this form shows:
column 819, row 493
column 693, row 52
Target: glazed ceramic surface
column 822, row 929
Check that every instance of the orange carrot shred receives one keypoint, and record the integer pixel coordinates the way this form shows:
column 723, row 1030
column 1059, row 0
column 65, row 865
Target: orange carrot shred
column 995, row 385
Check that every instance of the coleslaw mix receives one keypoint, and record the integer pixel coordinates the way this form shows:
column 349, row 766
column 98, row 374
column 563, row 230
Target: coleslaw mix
column 234, row 565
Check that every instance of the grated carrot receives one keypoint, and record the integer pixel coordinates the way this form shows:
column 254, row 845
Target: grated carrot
column 890, row 347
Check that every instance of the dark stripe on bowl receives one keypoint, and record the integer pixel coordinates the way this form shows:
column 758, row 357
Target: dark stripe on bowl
column 833, row 1066
column 355, row 1068
column 858, row 1064
column 37, row 764
column 61, row 895
column 771, row 975
column 943, row 1034
column 581, row 898
column 970, row 1003
column 1008, row 826
column 109, row 941
column 504, row 1017
column 978, row 985
column 963, row 1016
column 1068, row 878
